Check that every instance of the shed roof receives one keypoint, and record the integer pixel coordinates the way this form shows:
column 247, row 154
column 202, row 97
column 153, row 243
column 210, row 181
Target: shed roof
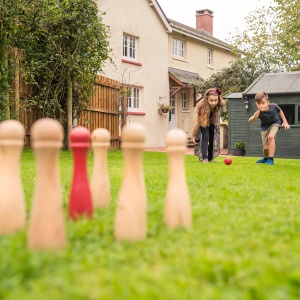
column 185, row 77
column 276, row 83
column 234, row 96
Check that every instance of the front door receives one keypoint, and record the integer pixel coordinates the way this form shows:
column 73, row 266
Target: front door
column 173, row 115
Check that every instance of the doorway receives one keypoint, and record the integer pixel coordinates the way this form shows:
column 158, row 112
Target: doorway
column 173, row 113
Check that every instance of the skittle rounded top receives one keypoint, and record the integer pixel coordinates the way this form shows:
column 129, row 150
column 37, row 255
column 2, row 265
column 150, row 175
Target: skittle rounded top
column 100, row 137
column 133, row 135
column 79, row 137
column 11, row 132
column 46, row 132
column 176, row 138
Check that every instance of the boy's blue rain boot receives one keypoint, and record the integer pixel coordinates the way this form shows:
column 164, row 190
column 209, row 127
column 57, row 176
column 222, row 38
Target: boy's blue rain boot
column 262, row 161
column 270, row 162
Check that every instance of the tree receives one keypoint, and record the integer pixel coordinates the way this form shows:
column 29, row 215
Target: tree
column 235, row 78
column 64, row 46
column 10, row 12
column 272, row 36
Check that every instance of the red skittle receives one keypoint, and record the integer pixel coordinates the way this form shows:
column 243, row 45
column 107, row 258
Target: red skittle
column 80, row 201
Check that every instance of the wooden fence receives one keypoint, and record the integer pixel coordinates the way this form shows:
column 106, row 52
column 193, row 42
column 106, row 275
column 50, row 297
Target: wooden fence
column 104, row 110
column 103, row 113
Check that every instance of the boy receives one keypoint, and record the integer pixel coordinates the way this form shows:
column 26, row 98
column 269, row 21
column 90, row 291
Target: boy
column 270, row 116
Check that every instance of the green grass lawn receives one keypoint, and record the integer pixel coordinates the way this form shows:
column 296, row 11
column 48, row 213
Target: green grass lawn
column 245, row 241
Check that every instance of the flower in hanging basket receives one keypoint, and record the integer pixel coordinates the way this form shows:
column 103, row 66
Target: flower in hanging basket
column 164, row 108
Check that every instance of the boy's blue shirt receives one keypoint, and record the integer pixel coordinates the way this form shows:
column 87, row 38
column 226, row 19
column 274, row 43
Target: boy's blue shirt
column 267, row 118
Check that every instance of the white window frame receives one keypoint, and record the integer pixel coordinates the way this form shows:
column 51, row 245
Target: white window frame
column 184, row 100
column 173, row 104
column 178, row 48
column 134, row 99
column 130, row 45
column 209, row 57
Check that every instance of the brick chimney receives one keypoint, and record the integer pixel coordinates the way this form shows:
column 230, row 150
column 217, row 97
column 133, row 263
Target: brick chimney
column 204, row 20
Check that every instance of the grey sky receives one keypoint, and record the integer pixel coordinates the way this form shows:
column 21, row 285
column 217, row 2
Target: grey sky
column 229, row 15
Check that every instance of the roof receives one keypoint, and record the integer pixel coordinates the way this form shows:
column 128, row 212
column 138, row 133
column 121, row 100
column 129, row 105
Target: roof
column 185, row 77
column 198, row 34
column 234, row 96
column 276, row 83
column 161, row 14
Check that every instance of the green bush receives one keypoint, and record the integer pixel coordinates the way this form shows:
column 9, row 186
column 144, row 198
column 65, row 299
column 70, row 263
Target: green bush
column 240, row 145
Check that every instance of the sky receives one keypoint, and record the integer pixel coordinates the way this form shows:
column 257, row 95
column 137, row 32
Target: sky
column 229, row 15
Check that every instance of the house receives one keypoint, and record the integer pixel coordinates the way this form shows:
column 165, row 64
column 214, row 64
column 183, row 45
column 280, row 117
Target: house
column 194, row 54
column 283, row 89
column 159, row 61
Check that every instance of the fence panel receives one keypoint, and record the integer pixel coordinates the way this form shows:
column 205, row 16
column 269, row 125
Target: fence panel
column 27, row 117
column 103, row 112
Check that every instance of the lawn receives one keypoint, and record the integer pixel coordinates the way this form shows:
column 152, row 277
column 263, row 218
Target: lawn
column 244, row 244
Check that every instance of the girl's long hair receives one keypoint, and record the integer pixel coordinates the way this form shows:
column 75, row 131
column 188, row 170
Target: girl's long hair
column 203, row 109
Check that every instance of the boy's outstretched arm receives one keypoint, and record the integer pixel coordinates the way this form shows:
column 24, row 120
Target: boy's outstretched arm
column 254, row 117
column 284, row 124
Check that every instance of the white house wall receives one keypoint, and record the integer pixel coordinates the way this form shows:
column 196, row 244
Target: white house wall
column 195, row 60
column 139, row 18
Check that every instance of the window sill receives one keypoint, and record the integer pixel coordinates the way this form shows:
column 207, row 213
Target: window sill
column 131, row 62
column 179, row 58
column 210, row 67
column 185, row 111
column 137, row 113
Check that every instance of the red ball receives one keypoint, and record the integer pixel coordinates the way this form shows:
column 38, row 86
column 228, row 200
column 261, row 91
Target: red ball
column 228, row 161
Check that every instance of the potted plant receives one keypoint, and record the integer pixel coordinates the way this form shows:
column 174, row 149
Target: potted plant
column 164, row 108
column 239, row 149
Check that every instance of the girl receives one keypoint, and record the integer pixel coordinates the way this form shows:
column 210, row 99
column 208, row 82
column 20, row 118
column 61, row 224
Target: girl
column 206, row 132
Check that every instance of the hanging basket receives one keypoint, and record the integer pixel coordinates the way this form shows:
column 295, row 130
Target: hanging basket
column 164, row 110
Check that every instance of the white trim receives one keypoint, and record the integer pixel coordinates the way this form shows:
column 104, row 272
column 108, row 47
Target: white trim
column 178, row 46
column 133, row 98
column 161, row 14
column 209, row 57
column 191, row 34
column 135, row 48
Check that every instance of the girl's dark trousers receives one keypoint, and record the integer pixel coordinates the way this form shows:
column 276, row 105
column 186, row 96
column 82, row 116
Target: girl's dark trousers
column 207, row 141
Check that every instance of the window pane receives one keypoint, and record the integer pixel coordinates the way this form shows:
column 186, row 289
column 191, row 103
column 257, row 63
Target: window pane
column 133, row 99
column 129, row 47
column 289, row 112
column 124, row 46
column 173, row 102
column 178, row 48
column 184, row 102
column 129, row 101
column 209, row 52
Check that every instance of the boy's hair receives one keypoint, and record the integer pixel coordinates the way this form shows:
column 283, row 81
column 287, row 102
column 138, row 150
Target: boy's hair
column 260, row 96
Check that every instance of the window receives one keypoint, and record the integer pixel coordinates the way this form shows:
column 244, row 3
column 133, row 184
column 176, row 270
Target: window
column 133, row 99
column 184, row 101
column 129, row 47
column 178, row 48
column 209, row 57
column 173, row 104
column 289, row 112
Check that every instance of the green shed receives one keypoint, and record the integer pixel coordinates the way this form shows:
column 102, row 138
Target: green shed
column 284, row 90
